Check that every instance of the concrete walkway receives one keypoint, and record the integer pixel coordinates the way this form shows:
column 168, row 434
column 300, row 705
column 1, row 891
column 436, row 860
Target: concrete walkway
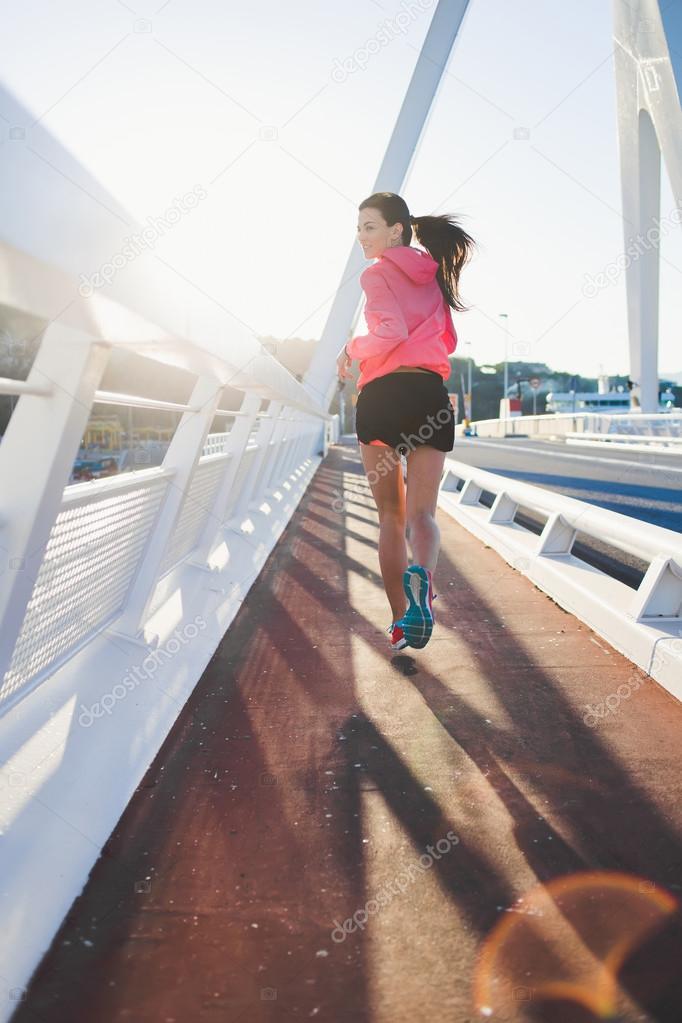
column 335, row 831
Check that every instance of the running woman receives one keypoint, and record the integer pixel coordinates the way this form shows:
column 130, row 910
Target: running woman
column 403, row 405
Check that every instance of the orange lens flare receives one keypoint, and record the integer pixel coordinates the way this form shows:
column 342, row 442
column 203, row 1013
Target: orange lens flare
column 568, row 939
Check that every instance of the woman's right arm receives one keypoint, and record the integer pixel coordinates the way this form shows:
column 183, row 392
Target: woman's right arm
column 386, row 323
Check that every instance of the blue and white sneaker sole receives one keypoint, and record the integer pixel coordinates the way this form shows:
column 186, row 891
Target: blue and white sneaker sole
column 417, row 622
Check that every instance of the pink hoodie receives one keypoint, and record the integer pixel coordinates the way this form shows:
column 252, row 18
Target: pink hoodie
column 409, row 321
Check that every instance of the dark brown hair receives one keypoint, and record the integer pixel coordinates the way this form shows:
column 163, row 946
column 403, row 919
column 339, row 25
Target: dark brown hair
column 440, row 234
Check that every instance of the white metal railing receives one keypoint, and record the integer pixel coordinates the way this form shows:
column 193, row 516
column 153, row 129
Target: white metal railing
column 101, row 577
column 645, row 624
column 628, row 441
column 216, row 444
column 115, row 593
column 49, row 609
column 660, row 424
column 557, row 424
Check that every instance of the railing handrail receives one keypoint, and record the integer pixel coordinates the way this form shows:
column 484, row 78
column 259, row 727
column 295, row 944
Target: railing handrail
column 643, row 539
column 10, row 386
column 563, row 416
column 636, row 438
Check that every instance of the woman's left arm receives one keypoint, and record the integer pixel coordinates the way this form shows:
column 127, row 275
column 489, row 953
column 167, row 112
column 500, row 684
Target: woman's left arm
column 343, row 364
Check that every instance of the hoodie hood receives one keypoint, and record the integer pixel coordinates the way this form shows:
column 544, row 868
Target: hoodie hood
column 416, row 264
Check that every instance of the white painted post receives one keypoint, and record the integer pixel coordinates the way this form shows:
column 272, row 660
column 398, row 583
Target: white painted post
column 503, row 509
column 182, row 457
column 272, row 459
column 36, row 457
column 449, row 481
column 284, row 466
column 270, row 482
column 302, row 441
column 263, row 435
column 557, row 537
column 294, row 444
column 308, row 441
column 236, row 446
column 470, row 493
column 660, row 592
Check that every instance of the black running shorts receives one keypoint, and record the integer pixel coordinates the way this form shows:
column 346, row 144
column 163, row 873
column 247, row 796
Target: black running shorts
column 405, row 410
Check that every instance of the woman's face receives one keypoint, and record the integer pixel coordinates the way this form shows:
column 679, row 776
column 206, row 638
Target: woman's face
column 375, row 235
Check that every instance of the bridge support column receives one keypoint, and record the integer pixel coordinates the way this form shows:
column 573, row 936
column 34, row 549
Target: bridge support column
column 320, row 378
column 648, row 88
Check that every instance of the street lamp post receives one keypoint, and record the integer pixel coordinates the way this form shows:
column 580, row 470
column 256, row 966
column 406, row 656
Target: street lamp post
column 506, row 373
column 467, row 345
column 471, row 393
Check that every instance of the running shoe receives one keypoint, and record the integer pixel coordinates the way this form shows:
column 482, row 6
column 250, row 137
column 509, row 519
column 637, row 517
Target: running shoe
column 397, row 637
column 417, row 622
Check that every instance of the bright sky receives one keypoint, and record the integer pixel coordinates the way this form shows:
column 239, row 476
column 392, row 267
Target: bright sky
column 157, row 98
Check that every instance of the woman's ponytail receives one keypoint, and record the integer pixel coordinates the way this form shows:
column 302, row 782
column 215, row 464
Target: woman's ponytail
column 450, row 246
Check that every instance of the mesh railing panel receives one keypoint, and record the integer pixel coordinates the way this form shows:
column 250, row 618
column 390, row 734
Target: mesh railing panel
column 196, row 506
column 91, row 555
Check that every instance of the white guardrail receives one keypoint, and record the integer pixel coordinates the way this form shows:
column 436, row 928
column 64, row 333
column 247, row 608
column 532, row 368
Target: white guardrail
column 627, row 441
column 644, row 624
column 557, row 424
column 115, row 593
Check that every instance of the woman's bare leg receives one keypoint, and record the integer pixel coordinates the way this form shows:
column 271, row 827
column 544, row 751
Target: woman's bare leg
column 385, row 477
column 424, row 473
